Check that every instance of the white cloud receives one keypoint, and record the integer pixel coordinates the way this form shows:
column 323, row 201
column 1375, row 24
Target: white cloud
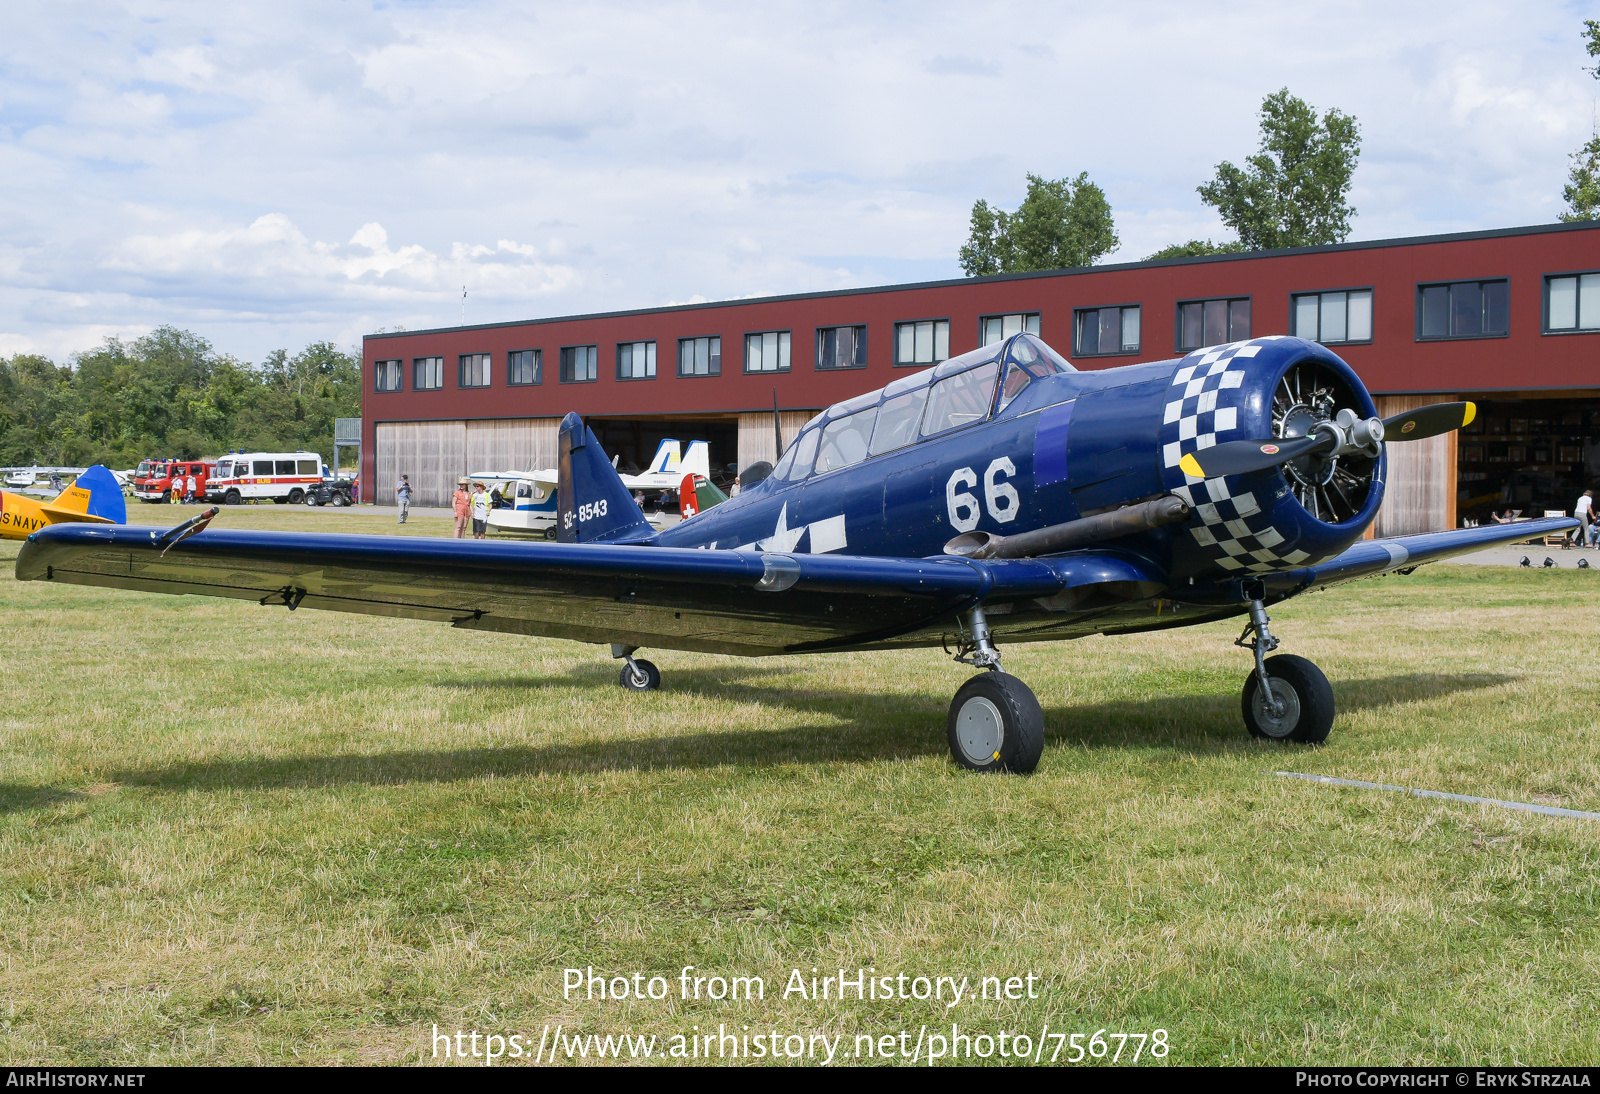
column 201, row 165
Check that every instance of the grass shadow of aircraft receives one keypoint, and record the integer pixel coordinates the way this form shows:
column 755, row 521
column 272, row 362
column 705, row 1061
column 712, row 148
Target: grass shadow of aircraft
column 891, row 727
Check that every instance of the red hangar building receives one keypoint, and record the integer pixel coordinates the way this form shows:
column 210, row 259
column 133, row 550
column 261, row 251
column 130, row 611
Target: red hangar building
column 1508, row 318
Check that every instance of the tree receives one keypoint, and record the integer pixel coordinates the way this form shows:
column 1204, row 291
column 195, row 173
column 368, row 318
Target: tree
column 1582, row 192
column 1195, row 248
column 170, row 394
column 1060, row 223
column 1292, row 192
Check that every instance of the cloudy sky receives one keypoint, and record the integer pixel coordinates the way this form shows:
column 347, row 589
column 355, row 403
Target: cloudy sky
column 267, row 174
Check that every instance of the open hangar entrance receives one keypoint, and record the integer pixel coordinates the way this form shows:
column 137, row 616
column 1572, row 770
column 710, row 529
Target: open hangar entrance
column 1535, row 451
column 633, row 441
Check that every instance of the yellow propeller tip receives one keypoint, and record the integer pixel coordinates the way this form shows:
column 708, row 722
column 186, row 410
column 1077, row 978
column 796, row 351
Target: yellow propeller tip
column 1472, row 412
column 1191, row 467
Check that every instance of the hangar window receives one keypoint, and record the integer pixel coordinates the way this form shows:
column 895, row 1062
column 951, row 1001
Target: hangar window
column 474, row 370
column 997, row 328
column 960, row 399
column 636, row 360
column 386, row 376
column 1212, row 322
column 841, row 347
column 580, row 364
column 925, row 342
column 427, row 374
column 767, row 351
column 523, row 367
column 700, row 357
column 1464, row 309
column 1572, row 302
column 1329, row 317
column 1101, row 332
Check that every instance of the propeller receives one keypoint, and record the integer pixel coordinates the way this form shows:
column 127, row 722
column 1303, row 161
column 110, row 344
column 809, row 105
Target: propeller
column 1345, row 434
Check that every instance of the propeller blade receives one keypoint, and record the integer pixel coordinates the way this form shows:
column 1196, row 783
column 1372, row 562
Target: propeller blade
column 1428, row 421
column 1242, row 457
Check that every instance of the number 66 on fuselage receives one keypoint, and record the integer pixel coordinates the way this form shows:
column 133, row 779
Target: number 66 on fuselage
column 1001, row 496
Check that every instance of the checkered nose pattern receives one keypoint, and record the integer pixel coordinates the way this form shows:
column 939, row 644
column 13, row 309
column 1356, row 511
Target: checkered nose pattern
column 1234, row 530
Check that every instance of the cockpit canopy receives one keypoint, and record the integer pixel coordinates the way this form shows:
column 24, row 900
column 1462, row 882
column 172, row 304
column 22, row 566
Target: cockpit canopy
column 934, row 401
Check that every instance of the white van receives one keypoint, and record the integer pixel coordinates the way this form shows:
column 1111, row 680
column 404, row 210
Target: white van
column 281, row 476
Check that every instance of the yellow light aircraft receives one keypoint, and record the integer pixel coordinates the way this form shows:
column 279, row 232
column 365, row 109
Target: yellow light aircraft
column 95, row 498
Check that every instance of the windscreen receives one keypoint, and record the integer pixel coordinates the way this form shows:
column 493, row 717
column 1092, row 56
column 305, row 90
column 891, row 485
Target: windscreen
column 1028, row 360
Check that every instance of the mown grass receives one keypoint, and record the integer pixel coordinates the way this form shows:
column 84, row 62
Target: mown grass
column 232, row 834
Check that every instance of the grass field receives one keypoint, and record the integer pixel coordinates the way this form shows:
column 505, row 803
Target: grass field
column 235, row 834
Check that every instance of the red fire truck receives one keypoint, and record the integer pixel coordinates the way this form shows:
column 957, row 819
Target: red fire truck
column 153, row 481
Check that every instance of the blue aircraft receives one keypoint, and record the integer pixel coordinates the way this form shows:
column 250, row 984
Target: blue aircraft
column 1001, row 496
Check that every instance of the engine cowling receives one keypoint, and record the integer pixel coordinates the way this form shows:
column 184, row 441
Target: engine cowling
column 1282, row 518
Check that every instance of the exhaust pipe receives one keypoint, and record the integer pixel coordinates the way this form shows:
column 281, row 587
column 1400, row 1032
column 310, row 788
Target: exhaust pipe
column 1074, row 533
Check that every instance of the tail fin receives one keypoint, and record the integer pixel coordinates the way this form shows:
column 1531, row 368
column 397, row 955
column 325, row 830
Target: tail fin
column 698, row 460
column 95, row 498
column 697, row 494
column 666, row 458
column 593, row 505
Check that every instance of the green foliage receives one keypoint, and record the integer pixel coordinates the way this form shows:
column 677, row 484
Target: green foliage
column 1292, row 192
column 1196, row 248
column 1061, row 223
column 1582, row 192
column 170, row 394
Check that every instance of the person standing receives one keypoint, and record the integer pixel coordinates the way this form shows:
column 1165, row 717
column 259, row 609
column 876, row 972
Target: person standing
column 402, row 497
column 1584, row 511
column 463, row 506
column 480, row 512
column 189, row 489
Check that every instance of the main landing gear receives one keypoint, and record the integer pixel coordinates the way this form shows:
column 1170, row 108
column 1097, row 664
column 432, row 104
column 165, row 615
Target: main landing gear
column 1297, row 702
column 995, row 722
column 637, row 674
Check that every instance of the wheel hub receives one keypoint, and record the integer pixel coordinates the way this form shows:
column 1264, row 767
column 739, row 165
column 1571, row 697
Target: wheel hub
column 1281, row 722
column 980, row 730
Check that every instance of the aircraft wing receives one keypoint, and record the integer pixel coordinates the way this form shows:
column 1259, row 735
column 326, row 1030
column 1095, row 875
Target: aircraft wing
column 1371, row 557
column 738, row 602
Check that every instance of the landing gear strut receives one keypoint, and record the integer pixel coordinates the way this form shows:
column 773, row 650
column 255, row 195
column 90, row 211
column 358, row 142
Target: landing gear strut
column 637, row 675
column 1296, row 703
column 995, row 722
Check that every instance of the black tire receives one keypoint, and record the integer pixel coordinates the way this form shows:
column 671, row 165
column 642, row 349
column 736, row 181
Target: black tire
column 231, row 498
column 340, row 501
column 550, row 532
column 995, row 724
column 650, row 681
column 310, row 499
column 296, row 497
column 1309, row 705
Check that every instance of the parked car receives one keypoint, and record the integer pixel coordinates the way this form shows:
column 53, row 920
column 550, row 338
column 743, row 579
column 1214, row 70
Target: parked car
column 335, row 492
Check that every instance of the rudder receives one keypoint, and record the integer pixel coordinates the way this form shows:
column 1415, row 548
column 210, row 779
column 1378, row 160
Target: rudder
column 593, row 506
column 95, row 495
